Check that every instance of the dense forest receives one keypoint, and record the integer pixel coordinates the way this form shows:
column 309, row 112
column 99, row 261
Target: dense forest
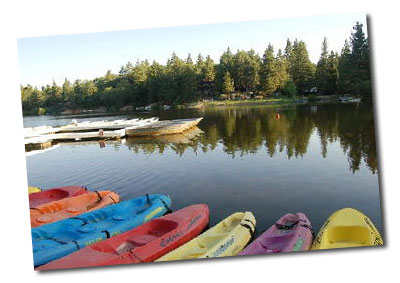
column 245, row 73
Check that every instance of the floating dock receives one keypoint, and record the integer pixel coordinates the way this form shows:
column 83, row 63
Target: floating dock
column 106, row 125
column 40, row 138
column 167, row 127
column 183, row 138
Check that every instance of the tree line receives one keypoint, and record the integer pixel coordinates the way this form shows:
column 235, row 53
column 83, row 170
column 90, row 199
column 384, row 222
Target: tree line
column 288, row 72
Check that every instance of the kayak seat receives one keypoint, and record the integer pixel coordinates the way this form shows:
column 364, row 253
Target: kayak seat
column 160, row 227
column 347, row 236
column 57, row 194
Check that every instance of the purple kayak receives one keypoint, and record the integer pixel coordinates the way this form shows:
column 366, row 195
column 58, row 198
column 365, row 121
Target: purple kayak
column 292, row 232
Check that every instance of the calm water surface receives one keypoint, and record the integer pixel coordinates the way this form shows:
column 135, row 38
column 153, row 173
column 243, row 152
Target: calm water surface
column 314, row 159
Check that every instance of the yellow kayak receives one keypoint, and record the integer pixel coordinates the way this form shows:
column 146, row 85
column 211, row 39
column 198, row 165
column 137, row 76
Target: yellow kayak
column 347, row 228
column 227, row 238
column 32, row 189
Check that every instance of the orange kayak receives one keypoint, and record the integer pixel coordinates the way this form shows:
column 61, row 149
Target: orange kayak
column 72, row 206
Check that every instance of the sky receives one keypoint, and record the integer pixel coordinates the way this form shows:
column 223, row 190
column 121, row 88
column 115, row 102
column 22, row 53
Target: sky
column 90, row 55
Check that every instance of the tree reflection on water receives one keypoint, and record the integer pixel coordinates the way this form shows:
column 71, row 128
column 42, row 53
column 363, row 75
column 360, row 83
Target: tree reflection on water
column 247, row 130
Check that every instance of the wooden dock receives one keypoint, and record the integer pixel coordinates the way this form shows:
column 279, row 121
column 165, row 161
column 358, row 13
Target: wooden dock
column 183, row 138
column 100, row 134
column 106, row 125
column 40, row 138
column 39, row 131
column 37, row 143
column 167, row 127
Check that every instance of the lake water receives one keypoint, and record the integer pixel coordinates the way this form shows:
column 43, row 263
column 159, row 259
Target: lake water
column 312, row 158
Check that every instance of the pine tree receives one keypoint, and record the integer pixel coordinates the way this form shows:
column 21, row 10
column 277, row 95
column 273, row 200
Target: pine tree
column 354, row 65
column 226, row 64
column 200, row 65
column 66, row 90
column 288, row 48
column 321, row 72
column 301, row 69
column 239, row 72
column 189, row 82
column 269, row 71
column 282, row 70
column 156, row 83
column 208, row 69
column 360, row 59
column 332, row 73
column 227, row 85
column 253, row 70
column 345, row 69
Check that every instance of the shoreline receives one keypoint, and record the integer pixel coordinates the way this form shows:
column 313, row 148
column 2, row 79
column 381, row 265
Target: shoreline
column 192, row 105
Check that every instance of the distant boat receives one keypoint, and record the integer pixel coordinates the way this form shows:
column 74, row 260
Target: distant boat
column 354, row 100
column 349, row 99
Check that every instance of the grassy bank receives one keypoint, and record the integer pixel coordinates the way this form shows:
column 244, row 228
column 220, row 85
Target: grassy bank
column 251, row 101
column 242, row 102
column 264, row 101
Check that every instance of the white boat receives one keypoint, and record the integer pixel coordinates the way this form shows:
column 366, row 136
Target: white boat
column 355, row 100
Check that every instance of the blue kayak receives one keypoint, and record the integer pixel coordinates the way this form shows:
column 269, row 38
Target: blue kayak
column 58, row 239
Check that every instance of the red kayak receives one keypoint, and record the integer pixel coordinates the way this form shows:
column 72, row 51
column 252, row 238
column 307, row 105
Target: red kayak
column 54, row 194
column 145, row 243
